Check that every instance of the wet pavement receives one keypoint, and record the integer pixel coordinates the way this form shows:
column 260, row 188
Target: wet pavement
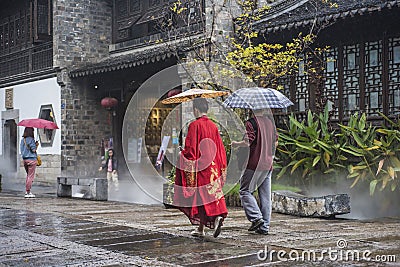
column 51, row 231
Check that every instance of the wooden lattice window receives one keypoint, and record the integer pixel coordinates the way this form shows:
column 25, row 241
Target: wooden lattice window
column 394, row 76
column 42, row 20
column 351, row 74
column 4, row 35
column 126, row 14
column 373, row 78
column 121, row 8
column 136, row 19
column 134, row 6
column 32, row 23
column 194, row 11
column 154, row 2
column 302, row 94
column 331, row 89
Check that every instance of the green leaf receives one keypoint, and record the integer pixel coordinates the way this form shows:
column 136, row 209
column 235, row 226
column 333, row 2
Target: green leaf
column 358, row 140
column 305, row 172
column 309, row 118
column 360, row 167
column 390, row 170
column 355, row 181
column 316, row 160
column 282, row 172
column 311, row 132
column 393, row 187
column 329, row 170
column 383, row 131
column 350, row 168
column 372, row 148
column 385, row 180
column 296, row 122
column 395, row 162
column 295, row 166
column 327, row 158
column 354, row 174
column 380, row 165
column 307, row 148
column 372, row 186
column 322, row 144
column 361, row 122
column 351, row 152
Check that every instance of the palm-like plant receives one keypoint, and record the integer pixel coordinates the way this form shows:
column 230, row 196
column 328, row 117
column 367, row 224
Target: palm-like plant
column 309, row 148
column 370, row 154
column 378, row 151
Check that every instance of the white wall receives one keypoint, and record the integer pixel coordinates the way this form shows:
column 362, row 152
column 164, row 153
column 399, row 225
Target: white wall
column 28, row 98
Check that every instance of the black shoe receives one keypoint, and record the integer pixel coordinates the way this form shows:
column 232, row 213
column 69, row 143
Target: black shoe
column 257, row 223
column 261, row 232
column 217, row 226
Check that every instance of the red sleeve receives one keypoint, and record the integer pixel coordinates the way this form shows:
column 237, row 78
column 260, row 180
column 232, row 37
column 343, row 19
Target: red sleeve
column 221, row 149
column 191, row 143
column 186, row 169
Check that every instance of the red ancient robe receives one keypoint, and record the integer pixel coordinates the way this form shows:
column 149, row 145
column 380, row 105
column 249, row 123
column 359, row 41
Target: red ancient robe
column 201, row 173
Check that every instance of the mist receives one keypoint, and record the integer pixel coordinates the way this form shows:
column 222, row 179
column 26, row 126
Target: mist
column 363, row 206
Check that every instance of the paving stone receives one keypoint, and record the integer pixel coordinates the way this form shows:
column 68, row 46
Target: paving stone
column 50, row 231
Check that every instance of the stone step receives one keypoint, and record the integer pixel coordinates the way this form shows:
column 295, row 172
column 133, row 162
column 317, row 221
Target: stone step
column 328, row 206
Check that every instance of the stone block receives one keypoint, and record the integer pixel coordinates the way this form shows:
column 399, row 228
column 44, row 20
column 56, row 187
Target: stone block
column 98, row 187
column 287, row 202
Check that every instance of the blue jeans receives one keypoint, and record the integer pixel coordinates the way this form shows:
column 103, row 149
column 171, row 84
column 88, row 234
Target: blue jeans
column 249, row 182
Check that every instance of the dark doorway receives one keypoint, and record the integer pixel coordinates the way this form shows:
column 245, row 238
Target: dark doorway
column 10, row 145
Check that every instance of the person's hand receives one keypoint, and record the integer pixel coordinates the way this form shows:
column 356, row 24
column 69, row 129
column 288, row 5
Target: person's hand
column 114, row 172
column 100, row 169
column 234, row 144
column 37, row 143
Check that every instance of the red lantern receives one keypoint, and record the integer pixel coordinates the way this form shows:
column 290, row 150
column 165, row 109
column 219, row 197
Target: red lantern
column 109, row 102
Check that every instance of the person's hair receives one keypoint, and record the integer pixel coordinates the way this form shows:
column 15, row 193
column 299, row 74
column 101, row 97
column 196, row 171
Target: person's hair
column 201, row 104
column 28, row 132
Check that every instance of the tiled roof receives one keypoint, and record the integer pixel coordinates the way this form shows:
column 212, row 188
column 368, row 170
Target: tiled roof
column 298, row 13
column 133, row 58
column 124, row 61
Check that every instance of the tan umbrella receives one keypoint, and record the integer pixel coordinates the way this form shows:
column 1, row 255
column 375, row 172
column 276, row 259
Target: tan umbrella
column 191, row 94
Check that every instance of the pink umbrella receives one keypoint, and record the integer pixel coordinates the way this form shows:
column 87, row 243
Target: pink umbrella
column 38, row 123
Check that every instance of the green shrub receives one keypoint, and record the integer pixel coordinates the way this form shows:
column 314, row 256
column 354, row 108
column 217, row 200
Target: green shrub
column 314, row 153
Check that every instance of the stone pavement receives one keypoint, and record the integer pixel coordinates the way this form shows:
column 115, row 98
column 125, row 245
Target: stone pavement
column 51, row 231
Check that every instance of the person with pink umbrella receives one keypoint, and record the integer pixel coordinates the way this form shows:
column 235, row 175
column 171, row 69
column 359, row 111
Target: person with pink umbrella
column 28, row 148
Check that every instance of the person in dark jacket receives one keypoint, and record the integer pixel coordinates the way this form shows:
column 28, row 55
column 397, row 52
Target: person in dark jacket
column 111, row 165
column 28, row 148
column 257, row 175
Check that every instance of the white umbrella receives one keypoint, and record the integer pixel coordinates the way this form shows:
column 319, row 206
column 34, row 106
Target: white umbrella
column 257, row 98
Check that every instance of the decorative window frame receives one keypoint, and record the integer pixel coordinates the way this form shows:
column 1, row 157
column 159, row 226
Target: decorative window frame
column 46, row 136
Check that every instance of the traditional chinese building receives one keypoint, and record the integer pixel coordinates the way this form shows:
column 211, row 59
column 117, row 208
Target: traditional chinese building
column 60, row 58
column 362, row 67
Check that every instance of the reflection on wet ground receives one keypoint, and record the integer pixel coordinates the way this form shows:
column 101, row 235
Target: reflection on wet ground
column 51, row 231
column 121, row 239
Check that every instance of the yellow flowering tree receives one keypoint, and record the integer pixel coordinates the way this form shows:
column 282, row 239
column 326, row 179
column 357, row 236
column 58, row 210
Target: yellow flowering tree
column 265, row 63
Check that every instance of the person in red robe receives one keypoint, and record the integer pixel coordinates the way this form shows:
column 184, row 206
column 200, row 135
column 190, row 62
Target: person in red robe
column 201, row 173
